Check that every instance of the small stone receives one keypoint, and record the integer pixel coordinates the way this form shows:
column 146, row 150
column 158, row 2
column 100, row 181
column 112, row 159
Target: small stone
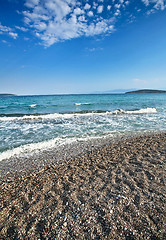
column 65, row 224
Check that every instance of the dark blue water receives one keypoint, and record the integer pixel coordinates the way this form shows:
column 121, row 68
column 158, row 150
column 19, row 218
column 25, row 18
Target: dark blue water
column 30, row 123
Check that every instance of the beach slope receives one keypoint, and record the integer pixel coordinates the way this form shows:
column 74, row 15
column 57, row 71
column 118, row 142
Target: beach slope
column 114, row 192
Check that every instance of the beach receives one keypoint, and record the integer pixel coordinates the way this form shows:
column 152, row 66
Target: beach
column 82, row 120
column 102, row 190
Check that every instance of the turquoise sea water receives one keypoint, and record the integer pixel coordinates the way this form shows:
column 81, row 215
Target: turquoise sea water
column 33, row 123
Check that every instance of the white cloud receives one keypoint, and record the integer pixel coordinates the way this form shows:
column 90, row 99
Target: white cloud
column 13, row 35
column 150, row 11
column 57, row 20
column 99, row 28
column 87, row 6
column 100, row 9
column 78, row 11
column 95, row 5
column 34, row 16
column 8, row 31
column 31, row 3
column 41, row 26
column 4, row 41
column 82, row 19
column 146, row 2
column 117, row 5
column 160, row 4
column 58, row 8
column 108, row 7
column 90, row 13
column 157, row 4
column 94, row 49
column 117, row 12
column 23, row 29
column 4, row 28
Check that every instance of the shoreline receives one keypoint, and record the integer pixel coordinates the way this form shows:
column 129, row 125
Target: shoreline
column 37, row 160
column 113, row 191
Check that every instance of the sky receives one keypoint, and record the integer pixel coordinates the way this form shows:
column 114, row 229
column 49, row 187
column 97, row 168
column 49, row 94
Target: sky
column 81, row 46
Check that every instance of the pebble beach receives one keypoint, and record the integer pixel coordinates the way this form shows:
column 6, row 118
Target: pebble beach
column 111, row 190
column 82, row 120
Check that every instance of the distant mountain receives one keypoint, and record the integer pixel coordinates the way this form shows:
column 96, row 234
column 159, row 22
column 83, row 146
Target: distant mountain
column 146, row 91
column 7, row 95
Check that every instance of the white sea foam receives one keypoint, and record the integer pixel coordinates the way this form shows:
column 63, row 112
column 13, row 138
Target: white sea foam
column 32, row 117
column 78, row 104
column 144, row 110
column 33, row 105
column 34, row 148
column 140, row 111
column 70, row 115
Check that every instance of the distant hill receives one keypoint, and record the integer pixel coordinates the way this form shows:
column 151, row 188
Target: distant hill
column 7, row 95
column 146, row 91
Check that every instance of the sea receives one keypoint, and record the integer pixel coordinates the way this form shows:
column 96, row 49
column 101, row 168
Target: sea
column 29, row 124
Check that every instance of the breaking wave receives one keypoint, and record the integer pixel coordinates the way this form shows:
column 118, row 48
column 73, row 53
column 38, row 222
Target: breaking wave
column 33, row 105
column 79, row 104
column 77, row 114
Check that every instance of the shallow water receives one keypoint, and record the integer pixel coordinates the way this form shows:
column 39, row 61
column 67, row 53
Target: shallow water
column 29, row 123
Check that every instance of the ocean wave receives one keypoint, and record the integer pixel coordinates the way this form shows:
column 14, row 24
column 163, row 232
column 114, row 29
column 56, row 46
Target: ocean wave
column 53, row 116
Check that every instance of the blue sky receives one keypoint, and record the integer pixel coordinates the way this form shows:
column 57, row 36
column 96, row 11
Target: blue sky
column 75, row 46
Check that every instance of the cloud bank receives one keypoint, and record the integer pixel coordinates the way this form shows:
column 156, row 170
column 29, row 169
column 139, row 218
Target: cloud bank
column 58, row 20
column 52, row 21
